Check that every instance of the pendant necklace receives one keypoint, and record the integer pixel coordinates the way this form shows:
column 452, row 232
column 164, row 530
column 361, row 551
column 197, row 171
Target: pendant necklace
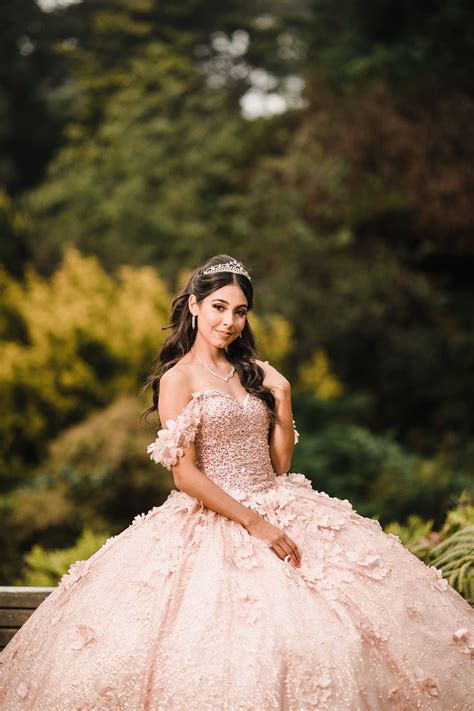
column 213, row 372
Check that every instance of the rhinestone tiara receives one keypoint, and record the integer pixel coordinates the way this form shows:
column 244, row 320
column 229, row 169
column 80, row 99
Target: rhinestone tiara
column 232, row 266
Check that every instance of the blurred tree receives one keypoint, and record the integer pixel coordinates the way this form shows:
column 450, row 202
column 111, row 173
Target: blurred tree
column 315, row 377
column 14, row 251
column 68, row 346
column 30, row 121
column 151, row 176
column 378, row 476
column 356, row 39
column 324, row 207
column 46, row 567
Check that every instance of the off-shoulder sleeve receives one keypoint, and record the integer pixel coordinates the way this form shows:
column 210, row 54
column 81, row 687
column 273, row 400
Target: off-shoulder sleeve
column 297, row 434
column 169, row 442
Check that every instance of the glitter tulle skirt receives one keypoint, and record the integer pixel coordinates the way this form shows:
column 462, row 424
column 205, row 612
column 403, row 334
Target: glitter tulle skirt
column 186, row 610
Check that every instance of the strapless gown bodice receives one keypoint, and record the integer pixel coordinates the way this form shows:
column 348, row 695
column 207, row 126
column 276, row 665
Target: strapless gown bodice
column 231, row 441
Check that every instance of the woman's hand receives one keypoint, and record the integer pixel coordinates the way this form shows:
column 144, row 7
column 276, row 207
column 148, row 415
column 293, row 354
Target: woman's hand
column 274, row 381
column 278, row 541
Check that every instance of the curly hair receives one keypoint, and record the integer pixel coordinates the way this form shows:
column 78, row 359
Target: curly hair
column 241, row 353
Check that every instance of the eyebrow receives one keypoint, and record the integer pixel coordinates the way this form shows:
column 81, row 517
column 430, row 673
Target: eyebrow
column 237, row 307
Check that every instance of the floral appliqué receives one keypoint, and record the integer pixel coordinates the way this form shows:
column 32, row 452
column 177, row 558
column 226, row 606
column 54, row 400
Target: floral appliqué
column 461, row 639
column 369, row 562
column 312, row 684
column 22, row 690
column 297, row 434
column 437, row 580
column 243, row 552
column 76, row 571
column 250, row 607
column 85, row 636
column 427, row 683
column 169, row 442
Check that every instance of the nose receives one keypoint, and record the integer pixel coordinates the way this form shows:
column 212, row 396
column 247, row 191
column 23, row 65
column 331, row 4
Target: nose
column 226, row 319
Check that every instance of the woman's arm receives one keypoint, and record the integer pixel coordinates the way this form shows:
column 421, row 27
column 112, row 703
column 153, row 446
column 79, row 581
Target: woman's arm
column 175, row 394
column 282, row 438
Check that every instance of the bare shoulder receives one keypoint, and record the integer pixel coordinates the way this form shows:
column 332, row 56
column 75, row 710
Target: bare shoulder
column 175, row 392
column 174, row 377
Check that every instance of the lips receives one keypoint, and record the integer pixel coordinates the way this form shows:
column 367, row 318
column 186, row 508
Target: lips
column 224, row 334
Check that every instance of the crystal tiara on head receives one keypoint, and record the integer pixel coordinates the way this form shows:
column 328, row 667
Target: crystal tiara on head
column 232, row 266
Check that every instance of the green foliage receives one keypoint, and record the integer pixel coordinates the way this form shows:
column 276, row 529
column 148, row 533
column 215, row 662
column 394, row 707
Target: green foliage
column 455, row 557
column 46, row 567
column 378, row 475
column 30, row 122
column 346, row 230
column 103, row 466
column 13, row 243
column 150, row 176
column 95, row 475
column 412, row 531
column 353, row 40
column 451, row 549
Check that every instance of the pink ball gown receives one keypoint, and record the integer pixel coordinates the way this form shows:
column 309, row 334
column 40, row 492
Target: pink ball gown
column 184, row 610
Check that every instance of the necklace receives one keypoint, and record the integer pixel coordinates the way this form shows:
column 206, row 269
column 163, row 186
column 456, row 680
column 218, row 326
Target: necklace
column 213, row 372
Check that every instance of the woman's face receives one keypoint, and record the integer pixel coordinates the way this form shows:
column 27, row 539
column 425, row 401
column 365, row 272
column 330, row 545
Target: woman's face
column 221, row 316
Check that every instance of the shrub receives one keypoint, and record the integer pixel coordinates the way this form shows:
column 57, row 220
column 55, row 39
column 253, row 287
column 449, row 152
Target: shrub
column 451, row 549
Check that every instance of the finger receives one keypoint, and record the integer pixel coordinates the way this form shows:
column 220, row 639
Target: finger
column 272, row 548
column 280, row 551
column 288, row 551
column 294, row 548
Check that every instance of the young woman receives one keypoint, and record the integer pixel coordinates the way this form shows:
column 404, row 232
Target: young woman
column 246, row 590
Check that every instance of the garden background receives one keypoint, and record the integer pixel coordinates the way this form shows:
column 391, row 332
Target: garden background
column 329, row 145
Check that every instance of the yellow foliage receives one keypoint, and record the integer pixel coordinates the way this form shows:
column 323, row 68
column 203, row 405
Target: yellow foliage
column 45, row 568
column 10, row 217
column 78, row 318
column 125, row 312
column 274, row 338
column 316, row 378
column 70, row 344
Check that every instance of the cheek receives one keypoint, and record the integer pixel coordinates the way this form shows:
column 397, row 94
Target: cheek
column 212, row 316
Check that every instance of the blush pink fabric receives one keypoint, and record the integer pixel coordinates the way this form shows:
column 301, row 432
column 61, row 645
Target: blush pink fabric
column 185, row 610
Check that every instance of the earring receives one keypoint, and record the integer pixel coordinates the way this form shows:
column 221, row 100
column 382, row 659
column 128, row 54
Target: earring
column 240, row 334
column 193, row 321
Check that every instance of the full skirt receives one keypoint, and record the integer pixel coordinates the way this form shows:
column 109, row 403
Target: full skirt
column 184, row 609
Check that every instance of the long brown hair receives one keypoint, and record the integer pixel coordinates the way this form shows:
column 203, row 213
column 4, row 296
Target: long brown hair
column 241, row 353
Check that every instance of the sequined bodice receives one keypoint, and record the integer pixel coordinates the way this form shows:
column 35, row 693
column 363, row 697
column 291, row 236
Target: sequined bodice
column 231, row 442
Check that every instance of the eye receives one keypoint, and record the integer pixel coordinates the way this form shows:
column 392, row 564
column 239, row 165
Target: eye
column 218, row 306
